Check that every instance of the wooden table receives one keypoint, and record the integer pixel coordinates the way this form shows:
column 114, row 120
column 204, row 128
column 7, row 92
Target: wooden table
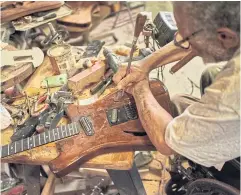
column 113, row 162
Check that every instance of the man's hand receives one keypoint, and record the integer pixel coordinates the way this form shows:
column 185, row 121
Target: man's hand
column 127, row 82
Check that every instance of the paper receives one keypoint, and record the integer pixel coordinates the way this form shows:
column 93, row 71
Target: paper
column 5, row 117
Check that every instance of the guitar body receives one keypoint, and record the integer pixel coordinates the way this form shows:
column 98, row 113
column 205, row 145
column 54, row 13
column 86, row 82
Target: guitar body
column 106, row 138
column 105, row 126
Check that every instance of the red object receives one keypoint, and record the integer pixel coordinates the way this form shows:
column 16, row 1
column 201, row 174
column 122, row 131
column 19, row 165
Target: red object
column 44, row 107
column 17, row 190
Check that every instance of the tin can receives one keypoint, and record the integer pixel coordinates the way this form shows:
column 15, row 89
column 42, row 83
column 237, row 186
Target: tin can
column 61, row 58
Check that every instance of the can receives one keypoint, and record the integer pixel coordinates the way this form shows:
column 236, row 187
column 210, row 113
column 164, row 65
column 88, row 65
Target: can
column 61, row 58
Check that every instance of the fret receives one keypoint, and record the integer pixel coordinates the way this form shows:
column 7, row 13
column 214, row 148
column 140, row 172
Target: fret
column 71, row 128
column 54, row 134
column 58, row 132
column 15, row 147
column 44, row 137
column 25, row 144
column 50, row 136
column 66, row 130
column 22, row 145
column 28, row 142
column 11, row 148
column 75, row 128
column 39, row 140
column 18, row 146
column 8, row 148
column 34, row 141
column 62, row 131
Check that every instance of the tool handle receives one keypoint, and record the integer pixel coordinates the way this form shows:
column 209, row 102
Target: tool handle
column 49, row 16
column 140, row 22
column 97, row 87
column 183, row 62
column 108, row 82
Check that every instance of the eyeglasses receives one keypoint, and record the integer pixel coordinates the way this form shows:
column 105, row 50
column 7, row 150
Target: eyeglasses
column 179, row 41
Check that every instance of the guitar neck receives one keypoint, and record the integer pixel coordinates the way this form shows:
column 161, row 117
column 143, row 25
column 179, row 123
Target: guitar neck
column 41, row 139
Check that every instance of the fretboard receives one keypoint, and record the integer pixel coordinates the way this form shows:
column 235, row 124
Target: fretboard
column 40, row 139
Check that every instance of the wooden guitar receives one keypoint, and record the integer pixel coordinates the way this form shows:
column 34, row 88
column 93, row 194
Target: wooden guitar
column 104, row 126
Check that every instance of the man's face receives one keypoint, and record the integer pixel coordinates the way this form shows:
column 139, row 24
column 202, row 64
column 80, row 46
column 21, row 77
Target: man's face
column 208, row 48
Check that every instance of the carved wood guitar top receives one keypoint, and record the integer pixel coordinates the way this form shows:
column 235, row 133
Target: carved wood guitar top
column 46, row 153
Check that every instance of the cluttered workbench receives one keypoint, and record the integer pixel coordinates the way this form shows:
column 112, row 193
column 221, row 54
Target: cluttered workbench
column 113, row 161
column 61, row 109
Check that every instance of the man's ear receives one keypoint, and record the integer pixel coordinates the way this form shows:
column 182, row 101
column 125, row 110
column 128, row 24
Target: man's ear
column 228, row 38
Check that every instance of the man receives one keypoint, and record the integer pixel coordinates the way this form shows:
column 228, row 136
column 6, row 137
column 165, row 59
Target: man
column 206, row 131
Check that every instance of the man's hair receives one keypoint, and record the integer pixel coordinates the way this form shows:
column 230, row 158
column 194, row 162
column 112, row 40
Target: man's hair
column 212, row 15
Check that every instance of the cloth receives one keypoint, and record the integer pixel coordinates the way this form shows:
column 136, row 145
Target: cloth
column 208, row 130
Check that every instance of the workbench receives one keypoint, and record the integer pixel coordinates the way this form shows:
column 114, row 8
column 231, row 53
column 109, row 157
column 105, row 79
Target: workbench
column 120, row 166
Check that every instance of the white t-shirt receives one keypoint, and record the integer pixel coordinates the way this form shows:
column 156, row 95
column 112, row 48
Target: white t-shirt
column 208, row 132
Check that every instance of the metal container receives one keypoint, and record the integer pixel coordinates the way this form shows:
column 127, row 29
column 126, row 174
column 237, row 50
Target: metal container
column 61, row 58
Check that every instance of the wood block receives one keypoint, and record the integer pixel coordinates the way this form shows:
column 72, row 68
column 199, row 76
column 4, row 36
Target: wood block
column 86, row 77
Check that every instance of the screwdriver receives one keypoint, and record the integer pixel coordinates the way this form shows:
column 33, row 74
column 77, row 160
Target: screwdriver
column 140, row 22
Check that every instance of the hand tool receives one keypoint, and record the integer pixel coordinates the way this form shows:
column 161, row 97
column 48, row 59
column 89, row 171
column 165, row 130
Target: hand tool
column 41, row 14
column 93, row 48
column 100, row 84
column 13, row 58
column 107, row 83
column 140, row 22
column 111, row 59
column 46, row 17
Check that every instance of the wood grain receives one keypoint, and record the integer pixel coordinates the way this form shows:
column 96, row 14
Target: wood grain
column 119, row 160
column 106, row 138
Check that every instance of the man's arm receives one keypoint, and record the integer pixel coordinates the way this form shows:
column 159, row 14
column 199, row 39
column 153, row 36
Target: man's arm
column 140, row 70
column 165, row 55
column 153, row 117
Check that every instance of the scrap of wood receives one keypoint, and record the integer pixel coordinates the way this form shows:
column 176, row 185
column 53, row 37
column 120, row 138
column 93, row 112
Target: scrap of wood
column 87, row 77
column 49, row 185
